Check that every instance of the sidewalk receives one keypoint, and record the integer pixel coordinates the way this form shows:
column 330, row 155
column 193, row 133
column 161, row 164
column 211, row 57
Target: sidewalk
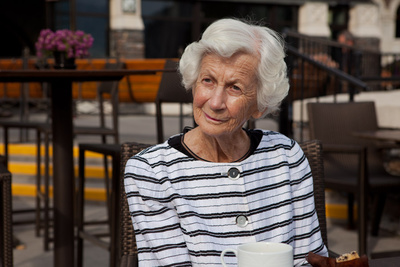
column 142, row 128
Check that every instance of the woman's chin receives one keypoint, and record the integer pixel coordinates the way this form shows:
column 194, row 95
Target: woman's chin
column 216, row 130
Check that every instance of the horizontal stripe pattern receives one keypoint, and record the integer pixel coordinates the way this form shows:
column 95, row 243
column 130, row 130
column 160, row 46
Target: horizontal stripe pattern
column 184, row 210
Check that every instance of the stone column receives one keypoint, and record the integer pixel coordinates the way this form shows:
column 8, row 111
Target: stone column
column 126, row 31
column 365, row 26
column 313, row 19
column 388, row 11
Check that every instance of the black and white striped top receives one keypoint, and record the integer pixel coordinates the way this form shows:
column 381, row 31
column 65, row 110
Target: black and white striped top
column 186, row 211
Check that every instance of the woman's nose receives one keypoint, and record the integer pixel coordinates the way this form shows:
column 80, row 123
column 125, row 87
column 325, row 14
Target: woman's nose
column 217, row 99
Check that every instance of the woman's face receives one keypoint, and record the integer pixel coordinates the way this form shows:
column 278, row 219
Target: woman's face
column 225, row 93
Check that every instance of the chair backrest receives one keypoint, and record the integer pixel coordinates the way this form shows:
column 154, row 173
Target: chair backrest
column 335, row 123
column 128, row 248
column 6, row 235
column 170, row 90
column 313, row 151
column 110, row 88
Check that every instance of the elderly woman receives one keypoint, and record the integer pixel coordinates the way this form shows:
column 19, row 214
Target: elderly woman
column 219, row 185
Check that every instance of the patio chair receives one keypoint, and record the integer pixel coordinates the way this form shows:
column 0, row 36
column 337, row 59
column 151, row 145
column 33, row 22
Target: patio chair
column 28, row 126
column 170, row 91
column 352, row 165
column 6, row 233
column 128, row 248
column 112, row 204
column 24, row 126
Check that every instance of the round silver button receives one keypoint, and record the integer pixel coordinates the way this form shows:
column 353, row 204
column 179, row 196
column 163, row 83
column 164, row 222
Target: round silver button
column 242, row 221
column 233, row 173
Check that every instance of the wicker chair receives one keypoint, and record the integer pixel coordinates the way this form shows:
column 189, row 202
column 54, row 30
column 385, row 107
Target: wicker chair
column 352, row 165
column 6, row 235
column 128, row 249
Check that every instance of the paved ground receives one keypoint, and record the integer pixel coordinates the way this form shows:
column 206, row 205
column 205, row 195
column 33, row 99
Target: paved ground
column 142, row 128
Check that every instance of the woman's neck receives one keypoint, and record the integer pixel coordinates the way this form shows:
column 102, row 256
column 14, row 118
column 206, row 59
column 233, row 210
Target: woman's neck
column 218, row 149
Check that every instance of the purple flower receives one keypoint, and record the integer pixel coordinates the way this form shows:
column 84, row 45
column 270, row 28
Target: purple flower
column 74, row 44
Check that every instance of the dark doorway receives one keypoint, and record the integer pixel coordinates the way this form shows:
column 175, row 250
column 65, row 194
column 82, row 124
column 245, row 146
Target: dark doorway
column 20, row 24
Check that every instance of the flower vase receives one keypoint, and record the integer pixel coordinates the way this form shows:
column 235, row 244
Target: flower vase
column 61, row 61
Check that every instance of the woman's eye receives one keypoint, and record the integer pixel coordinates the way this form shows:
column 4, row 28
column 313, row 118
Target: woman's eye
column 236, row 88
column 207, row 80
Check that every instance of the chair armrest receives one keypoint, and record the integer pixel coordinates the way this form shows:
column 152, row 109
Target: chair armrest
column 129, row 261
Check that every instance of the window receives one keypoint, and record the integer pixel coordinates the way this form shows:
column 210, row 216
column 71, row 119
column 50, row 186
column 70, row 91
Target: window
column 91, row 16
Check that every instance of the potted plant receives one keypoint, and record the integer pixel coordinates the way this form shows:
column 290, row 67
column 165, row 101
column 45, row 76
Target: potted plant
column 64, row 45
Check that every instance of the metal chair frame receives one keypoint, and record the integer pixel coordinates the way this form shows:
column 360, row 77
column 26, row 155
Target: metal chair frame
column 112, row 203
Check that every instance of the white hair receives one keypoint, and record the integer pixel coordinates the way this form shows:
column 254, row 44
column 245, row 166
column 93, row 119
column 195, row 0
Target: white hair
column 226, row 37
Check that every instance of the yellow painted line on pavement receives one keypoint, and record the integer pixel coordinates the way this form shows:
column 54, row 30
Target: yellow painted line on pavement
column 30, row 150
column 27, row 168
column 96, row 194
column 339, row 211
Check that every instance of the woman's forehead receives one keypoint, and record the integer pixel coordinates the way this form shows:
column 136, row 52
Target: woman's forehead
column 242, row 62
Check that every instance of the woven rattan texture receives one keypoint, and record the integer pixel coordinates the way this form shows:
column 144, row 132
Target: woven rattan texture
column 313, row 151
column 6, row 242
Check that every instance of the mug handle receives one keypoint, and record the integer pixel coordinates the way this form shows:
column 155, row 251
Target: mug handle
column 223, row 254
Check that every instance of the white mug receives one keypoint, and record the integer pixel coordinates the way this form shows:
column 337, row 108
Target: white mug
column 262, row 254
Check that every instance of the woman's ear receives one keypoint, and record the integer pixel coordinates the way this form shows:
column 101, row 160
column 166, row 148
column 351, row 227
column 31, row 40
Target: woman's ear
column 257, row 114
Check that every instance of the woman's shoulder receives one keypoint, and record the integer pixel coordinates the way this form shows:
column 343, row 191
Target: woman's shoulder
column 276, row 142
column 273, row 138
column 153, row 150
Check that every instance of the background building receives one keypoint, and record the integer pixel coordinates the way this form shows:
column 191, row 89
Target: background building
column 162, row 28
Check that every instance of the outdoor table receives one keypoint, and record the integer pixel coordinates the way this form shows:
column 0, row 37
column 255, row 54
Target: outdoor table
column 380, row 135
column 62, row 126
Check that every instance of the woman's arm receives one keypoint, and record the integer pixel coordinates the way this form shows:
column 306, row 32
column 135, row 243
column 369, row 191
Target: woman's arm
column 157, row 229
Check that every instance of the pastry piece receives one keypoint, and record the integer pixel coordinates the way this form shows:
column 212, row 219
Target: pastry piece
column 348, row 257
column 319, row 261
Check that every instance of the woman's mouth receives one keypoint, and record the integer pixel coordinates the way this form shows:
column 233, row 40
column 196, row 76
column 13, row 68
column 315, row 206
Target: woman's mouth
column 212, row 118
